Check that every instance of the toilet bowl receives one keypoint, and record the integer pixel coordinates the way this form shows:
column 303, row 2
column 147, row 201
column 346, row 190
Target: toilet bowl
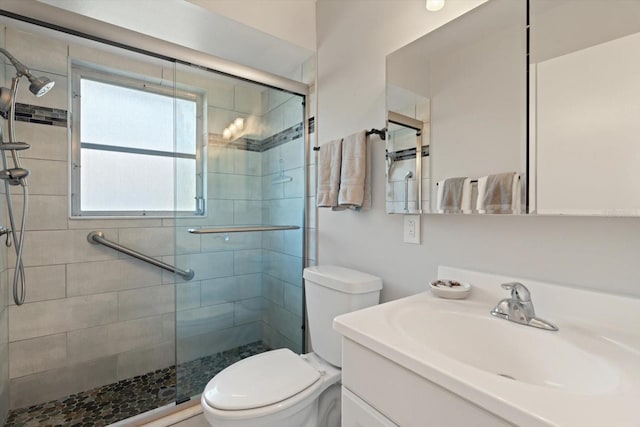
column 274, row 389
column 280, row 388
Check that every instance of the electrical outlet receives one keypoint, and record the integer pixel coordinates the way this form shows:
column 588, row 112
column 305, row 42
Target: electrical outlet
column 412, row 229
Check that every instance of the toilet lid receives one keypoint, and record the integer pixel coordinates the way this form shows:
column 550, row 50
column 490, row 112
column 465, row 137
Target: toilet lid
column 260, row 380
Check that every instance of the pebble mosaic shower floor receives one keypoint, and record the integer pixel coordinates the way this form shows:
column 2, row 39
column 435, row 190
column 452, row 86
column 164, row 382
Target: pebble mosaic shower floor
column 114, row 402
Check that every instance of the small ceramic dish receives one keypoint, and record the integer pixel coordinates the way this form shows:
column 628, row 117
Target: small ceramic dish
column 450, row 289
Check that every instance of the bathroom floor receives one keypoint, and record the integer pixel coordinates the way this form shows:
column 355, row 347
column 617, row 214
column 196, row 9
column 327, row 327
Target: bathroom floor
column 114, row 402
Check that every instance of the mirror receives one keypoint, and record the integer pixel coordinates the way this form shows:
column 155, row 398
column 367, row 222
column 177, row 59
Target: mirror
column 466, row 81
column 585, row 107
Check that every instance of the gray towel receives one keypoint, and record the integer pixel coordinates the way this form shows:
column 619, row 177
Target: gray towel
column 354, row 171
column 329, row 166
column 498, row 193
column 452, row 195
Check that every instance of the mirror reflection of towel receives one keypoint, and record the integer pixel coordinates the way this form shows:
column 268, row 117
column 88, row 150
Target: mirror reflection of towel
column 499, row 193
column 451, row 196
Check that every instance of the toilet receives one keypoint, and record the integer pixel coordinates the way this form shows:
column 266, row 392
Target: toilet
column 280, row 388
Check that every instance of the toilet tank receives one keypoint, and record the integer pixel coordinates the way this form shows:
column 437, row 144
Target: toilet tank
column 330, row 291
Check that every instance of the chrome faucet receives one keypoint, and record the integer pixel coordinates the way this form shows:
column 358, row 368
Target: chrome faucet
column 519, row 308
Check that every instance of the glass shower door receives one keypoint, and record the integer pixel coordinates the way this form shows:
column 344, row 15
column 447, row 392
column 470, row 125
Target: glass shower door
column 246, row 245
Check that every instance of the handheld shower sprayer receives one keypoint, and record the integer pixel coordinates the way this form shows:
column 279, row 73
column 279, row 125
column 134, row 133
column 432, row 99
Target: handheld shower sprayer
column 17, row 175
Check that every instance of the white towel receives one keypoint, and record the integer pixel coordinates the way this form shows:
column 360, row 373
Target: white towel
column 465, row 204
column 329, row 166
column 366, row 202
column 510, row 195
column 353, row 175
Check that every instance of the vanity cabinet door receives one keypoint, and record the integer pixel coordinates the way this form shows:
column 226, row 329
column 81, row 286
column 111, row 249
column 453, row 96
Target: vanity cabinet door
column 405, row 397
column 357, row 413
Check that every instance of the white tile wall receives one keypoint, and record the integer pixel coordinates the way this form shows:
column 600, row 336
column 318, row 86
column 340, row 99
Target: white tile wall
column 188, row 295
column 45, row 283
column 204, row 319
column 37, row 354
column 47, row 176
column 220, row 159
column 45, row 212
column 273, row 289
column 211, row 342
column 144, row 302
column 247, row 310
column 54, row 383
column 247, row 212
column 247, row 162
column 248, row 99
column 89, row 278
column 39, row 52
column 231, row 241
column 229, row 289
column 247, row 261
column 47, row 142
column 141, row 361
column 93, row 343
column 150, row 241
column 56, row 316
column 207, row 265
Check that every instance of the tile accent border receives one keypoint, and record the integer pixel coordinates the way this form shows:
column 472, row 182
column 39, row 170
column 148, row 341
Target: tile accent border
column 41, row 115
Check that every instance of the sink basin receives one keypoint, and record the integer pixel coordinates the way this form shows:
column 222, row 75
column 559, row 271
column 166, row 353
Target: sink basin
column 515, row 352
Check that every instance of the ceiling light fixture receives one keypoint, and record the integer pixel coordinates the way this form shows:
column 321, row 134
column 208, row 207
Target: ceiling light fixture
column 434, row 5
column 234, row 128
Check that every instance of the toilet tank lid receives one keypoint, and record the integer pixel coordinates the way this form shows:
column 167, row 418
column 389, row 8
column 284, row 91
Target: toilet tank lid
column 343, row 279
column 260, row 380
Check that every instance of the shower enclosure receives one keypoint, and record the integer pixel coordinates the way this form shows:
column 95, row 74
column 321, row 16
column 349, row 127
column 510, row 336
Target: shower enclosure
column 165, row 235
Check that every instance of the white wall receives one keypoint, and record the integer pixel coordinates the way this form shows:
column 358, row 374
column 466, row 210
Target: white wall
column 353, row 39
column 290, row 20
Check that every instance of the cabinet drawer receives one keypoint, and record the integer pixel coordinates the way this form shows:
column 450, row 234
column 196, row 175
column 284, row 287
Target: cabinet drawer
column 357, row 413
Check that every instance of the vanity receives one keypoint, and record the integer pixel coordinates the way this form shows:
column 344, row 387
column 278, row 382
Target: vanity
column 423, row 360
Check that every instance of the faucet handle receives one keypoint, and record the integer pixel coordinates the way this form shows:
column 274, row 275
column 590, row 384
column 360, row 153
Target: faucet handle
column 519, row 291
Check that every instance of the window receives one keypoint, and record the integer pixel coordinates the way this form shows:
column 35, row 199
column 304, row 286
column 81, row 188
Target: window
column 137, row 147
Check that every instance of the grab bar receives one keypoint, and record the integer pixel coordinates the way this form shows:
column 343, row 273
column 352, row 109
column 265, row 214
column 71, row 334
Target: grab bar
column 242, row 229
column 407, row 177
column 97, row 238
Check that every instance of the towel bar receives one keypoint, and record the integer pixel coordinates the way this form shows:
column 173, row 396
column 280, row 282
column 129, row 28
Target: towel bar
column 382, row 133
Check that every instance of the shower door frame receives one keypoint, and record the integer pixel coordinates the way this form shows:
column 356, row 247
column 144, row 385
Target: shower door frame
column 50, row 17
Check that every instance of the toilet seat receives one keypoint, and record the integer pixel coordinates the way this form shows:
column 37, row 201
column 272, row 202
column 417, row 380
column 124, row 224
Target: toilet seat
column 261, row 380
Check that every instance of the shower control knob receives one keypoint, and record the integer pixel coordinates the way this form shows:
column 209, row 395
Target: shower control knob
column 7, row 231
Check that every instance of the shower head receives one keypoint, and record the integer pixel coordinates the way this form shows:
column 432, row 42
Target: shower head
column 39, row 85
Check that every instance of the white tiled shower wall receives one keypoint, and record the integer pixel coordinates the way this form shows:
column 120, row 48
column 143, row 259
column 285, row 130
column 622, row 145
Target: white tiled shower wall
column 94, row 316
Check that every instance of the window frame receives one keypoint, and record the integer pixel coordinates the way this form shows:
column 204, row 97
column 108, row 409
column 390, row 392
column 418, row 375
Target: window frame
column 81, row 70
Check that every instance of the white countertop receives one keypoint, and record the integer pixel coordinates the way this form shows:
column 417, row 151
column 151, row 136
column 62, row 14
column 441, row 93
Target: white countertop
column 604, row 327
